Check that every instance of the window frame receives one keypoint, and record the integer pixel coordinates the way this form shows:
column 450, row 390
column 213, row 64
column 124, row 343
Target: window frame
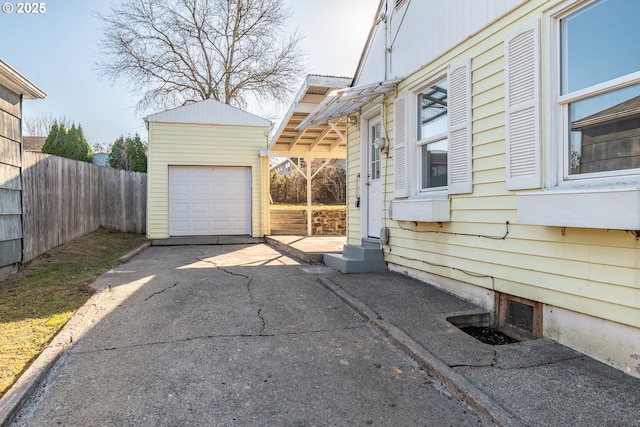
column 417, row 191
column 603, row 200
column 558, row 110
column 435, row 205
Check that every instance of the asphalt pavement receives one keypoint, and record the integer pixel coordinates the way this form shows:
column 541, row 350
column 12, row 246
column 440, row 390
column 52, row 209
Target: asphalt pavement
column 244, row 335
column 230, row 335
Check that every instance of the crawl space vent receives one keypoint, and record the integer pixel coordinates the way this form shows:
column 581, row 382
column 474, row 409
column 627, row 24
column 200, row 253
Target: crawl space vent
column 519, row 317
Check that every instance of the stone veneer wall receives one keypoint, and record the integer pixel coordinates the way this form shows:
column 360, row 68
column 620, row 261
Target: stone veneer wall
column 329, row 222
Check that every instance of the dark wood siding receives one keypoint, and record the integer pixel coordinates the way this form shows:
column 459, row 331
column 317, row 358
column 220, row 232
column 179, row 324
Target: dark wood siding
column 10, row 180
column 614, row 145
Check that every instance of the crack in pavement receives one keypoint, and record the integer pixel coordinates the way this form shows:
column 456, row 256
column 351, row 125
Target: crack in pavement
column 531, row 365
column 523, row 366
column 249, row 291
column 470, row 365
column 215, row 336
column 159, row 292
column 251, row 303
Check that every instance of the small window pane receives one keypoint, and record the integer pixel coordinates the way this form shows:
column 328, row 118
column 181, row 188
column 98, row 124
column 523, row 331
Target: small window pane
column 432, row 110
column 599, row 43
column 434, row 164
column 605, row 132
column 374, row 153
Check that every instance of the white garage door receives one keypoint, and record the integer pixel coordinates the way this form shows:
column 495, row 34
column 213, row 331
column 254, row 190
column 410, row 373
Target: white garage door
column 209, row 201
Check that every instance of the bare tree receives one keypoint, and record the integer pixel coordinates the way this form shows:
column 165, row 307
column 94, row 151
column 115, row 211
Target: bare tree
column 40, row 124
column 180, row 51
column 101, row 148
column 331, row 183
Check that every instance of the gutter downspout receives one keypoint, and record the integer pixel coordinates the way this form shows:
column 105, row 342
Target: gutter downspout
column 387, row 49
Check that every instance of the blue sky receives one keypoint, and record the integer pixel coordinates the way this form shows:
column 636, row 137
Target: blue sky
column 58, row 50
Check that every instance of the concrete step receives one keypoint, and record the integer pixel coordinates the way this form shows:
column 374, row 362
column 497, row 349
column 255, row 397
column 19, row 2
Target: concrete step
column 357, row 259
column 289, row 231
column 370, row 242
column 207, row 240
column 289, row 227
column 310, row 257
column 288, row 213
column 288, row 221
column 287, row 218
column 363, row 253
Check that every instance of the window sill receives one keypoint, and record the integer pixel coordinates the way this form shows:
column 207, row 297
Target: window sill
column 421, row 210
column 605, row 208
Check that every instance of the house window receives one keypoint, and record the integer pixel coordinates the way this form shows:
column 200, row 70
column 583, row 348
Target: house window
column 599, row 91
column 594, row 122
column 440, row 149
column 432, row 133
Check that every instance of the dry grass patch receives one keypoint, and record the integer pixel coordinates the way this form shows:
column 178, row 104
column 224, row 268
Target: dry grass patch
column 37, row 302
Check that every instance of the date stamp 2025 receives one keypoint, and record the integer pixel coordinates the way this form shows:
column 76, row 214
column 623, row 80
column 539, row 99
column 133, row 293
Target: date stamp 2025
column 24, row 8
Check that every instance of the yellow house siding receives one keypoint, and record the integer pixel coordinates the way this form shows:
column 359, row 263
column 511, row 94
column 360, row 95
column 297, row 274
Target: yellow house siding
column 353, row 169
column 179, row 144
column 387, row 159
column 590, row 271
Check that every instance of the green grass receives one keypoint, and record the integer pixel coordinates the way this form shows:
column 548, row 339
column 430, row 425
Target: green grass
column 38, row 301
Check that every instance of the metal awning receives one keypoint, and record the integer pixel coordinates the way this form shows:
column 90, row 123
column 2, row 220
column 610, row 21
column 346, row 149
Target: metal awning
column 344, row 102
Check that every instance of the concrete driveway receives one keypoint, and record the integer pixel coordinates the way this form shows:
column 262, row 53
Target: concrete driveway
column 232, row 335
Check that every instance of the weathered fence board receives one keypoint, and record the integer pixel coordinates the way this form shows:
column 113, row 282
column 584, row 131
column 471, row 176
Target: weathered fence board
column 64, row 199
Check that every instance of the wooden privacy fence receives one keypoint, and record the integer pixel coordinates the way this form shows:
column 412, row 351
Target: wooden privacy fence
column 64, row 199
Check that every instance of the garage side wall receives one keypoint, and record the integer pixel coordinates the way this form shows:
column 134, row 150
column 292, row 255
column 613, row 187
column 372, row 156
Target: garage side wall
column 180, row 144
column 10, row 184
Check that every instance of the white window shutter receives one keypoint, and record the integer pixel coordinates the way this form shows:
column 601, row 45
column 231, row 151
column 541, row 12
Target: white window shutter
column 460, row 155
column 522, row 107
column 401, row 187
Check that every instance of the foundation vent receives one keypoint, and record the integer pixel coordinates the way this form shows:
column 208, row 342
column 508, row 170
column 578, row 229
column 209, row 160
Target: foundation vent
column 519, row 317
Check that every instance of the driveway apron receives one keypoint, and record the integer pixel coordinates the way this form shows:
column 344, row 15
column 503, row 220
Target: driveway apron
column 232, row 335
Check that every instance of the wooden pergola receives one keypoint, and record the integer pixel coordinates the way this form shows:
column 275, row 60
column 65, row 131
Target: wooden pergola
column 321, row 141
column 316, row 123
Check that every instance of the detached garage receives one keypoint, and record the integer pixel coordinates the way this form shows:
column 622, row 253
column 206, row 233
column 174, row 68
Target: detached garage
column 208, row 173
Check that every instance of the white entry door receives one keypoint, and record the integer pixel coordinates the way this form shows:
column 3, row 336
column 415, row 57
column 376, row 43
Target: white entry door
column 209, row 200
column 374, row 179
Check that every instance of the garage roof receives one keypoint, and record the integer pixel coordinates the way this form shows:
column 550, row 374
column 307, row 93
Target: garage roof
column 17, row 83
column 322, row 141
column 209, row 112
